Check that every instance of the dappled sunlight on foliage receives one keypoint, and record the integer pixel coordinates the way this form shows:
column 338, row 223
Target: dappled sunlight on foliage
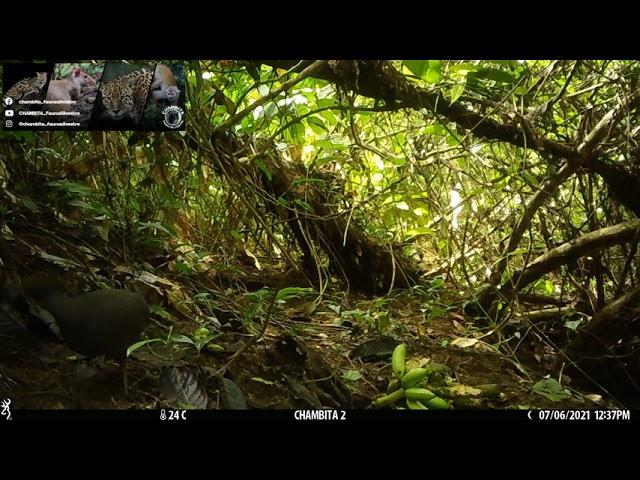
column 484, row 213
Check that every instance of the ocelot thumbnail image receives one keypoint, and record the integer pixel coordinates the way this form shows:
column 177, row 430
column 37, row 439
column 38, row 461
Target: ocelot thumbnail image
column 93, row 95
column 24, row 89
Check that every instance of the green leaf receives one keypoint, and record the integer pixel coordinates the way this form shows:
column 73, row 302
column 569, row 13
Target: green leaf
column 296, row 133
column 302, row 204
column 306, row 180
column 548, row 287
column 429, row 70
column 418, row 67
column 573, row 324
column 550, row 388
column 184, row 268
column 352, row 375
column 317, row 130
column 433, row 74
column 328, row 115
column 355, row 314
column 71, row 187
column 232, row 395
column 317, row 122
column 30, row 204
column 332, row 142
column 436, row 312
column 457, row 91
column 494, row 74
column 262, row 380
column 462, row 69
column 293, row 292
column 28, row 137
column 263, row 168
column 179, row 338
column 382, row 319
column 153, row 226
column 81, row 204
column 398, row 161
column 142, row 343
column 52, row 152
column 214, row 347
column 435, row 129
column 531, row 179
column 416, row 232
column 160, row 312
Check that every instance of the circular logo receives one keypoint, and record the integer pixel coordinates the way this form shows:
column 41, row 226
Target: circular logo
column 8, row 123
column 173, row 117
column 8, row 101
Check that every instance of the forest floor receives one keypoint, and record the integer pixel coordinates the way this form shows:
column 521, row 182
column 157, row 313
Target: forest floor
column 337, row 356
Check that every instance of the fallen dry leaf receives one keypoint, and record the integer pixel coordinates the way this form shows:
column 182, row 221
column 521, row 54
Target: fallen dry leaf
column 464, row 342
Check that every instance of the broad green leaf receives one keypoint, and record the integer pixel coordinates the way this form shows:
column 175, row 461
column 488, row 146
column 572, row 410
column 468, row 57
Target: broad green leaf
column 302, row 204
column 179, row 338
column 436, row 312
column 263, row 168
column 71, row 187
column 318, row 129
column 293, row 292
column 453, row 140
column 494, row 74
column 428, row 70
column 30, row 204
column 233, row 396
column 418, row 67
column 457, row 91
column 573, row 324
column 296, row 132
column 352, row 375
column 462, row 69
column 435, row 129
column 433, row 74
column 329, row 117
column 550, row 388
column 531, row 179
column 142, row 343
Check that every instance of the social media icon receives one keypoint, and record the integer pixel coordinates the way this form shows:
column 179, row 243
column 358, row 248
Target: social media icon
column 8, row 101
column 8, row 113
column 8, row 123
